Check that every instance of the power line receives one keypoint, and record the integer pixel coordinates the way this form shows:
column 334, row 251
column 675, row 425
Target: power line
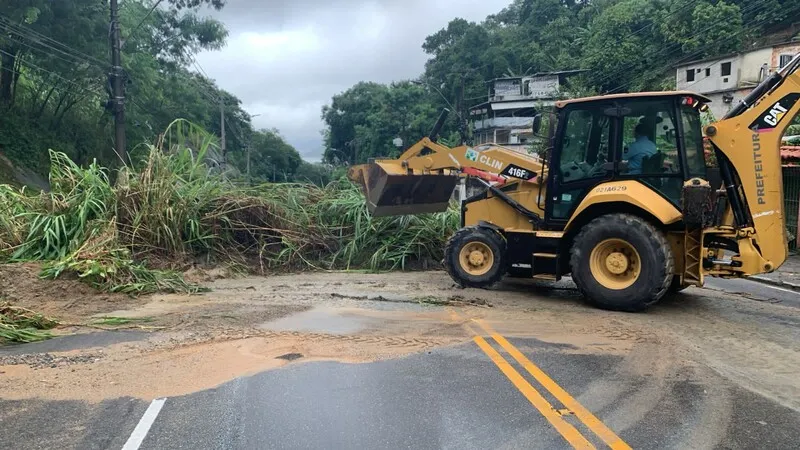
column 715, row 61
column 27, row 43
column 707, row 46
column 34, row 66
column 666, row 51
column 141, row 22
column 47, row 41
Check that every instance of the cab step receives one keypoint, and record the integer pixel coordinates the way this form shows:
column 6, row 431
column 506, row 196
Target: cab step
column 545, row 266
column 545, row 277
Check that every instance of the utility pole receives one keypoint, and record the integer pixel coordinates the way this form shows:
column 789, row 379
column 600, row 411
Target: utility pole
column 462, row 121
column 117, row 85
column 222, row 129
column 249, row 145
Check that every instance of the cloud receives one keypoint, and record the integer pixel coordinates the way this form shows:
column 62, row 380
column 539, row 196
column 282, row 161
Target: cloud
column 285, row 59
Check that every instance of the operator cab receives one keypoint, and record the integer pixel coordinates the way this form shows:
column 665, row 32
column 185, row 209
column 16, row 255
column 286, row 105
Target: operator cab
column 652, row 137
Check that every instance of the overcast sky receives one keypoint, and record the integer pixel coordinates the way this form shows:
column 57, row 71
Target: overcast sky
column 286, row 58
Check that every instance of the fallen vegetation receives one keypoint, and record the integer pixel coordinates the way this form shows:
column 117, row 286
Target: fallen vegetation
column 22, row 325
column 169, row 210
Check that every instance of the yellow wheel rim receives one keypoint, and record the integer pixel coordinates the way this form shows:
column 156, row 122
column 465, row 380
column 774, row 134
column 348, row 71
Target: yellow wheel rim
column 615, row 264
column 476, row 258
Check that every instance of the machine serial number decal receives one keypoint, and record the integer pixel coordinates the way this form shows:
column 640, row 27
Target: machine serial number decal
column 611, row 189
column 518, row 172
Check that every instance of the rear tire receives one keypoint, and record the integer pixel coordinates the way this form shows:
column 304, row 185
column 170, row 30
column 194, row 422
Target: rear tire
column 475, row 257
column 621, row 262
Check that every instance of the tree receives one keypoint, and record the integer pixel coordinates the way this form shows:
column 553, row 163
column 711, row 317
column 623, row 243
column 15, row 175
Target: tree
column 365, row 121
column 319, row 173
column 271, row 157
column 54, row 86
column 347, row 111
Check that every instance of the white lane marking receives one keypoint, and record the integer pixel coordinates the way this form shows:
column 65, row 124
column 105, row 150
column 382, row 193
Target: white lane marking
column 722, row 287
column 781, row 289
column 140, row 432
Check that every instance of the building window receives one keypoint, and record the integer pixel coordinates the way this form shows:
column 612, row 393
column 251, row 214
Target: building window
column 690, row 75
column 725, row 69
column 708, row 71
column 784, row 60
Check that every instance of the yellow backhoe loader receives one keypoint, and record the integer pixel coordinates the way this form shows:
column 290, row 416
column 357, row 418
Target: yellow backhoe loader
column 621, row 200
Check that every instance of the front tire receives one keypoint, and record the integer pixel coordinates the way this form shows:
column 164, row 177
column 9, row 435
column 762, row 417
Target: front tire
column 475, row 257
column 621, row 262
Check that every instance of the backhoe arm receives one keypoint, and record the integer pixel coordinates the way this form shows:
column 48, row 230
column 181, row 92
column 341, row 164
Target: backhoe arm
column 748, row 139
column 424, row 177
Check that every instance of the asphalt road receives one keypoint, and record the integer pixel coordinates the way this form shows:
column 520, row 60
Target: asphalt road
column 755, row 290
column 487, row 393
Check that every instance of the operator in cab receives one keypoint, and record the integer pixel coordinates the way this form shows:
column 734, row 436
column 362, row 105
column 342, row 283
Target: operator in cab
column 641, row 148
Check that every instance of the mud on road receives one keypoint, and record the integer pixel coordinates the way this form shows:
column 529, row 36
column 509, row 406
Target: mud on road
column 178, row 344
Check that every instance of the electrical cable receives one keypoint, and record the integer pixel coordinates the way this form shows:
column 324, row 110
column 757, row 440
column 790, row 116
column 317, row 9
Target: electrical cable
column 35, row 67
column 47, row 41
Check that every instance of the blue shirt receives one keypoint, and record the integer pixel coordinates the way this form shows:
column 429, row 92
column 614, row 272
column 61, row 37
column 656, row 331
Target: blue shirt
column 637, row 151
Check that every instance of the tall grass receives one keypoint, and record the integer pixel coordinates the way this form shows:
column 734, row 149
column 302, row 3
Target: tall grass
column 170, row 208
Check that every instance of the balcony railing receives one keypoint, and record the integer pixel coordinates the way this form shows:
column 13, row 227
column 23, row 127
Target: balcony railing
column 504, row 122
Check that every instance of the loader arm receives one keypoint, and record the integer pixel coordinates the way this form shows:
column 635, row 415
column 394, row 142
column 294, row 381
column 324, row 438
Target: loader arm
column 748, row 139
column 423, row 178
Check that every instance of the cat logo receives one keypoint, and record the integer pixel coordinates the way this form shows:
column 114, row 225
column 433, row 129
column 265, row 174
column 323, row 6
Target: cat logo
column 773, row 116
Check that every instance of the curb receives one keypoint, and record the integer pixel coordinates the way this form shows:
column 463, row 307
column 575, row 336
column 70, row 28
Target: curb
column 779, row 283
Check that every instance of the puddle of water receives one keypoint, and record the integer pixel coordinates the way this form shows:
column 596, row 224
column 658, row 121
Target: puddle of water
column 321, row 320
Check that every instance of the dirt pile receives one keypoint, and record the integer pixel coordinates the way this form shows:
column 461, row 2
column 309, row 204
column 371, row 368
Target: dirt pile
column 67, row 298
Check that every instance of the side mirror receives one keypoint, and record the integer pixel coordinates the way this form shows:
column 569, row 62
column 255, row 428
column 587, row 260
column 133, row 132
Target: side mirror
column 537, row 124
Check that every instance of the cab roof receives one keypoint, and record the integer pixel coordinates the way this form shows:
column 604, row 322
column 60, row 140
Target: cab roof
column 704, row 99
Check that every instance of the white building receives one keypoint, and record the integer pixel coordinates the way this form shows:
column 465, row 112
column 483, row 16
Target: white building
column 726, row 80
column 506, row 118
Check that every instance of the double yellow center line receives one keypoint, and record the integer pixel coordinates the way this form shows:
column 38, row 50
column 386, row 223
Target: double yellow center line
column 554, row 416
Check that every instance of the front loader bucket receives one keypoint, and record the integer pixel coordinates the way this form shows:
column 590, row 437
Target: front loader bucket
column 390, row 191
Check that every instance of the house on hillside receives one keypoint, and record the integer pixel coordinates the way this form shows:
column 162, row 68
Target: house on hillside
column 728, row 79
column 506, row 117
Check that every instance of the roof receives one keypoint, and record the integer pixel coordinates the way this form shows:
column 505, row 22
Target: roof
column 539, row 74
column 559, row 72
column 731, row 55
column 498, row 105
column 790, row 152
column 562, row 103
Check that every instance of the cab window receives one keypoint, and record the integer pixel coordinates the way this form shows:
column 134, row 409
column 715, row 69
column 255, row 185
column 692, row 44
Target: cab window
column 585, row 145
column 650, row 145
column 693, row 141
column 650, row 150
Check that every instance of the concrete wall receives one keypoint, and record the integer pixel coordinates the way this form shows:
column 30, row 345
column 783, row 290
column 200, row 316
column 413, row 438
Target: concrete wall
column 785, row 49
column 707, row 75
column 718, row 106
column 750, row 71
column 746, row 70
